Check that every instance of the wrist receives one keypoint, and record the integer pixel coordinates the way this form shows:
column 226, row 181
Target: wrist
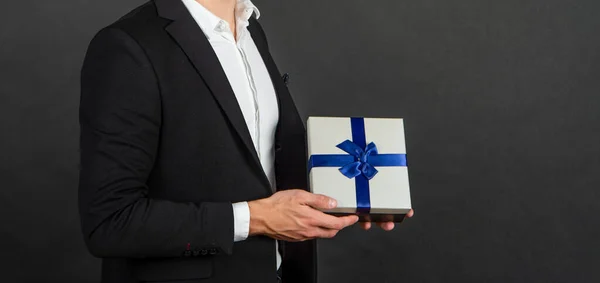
column 257, row 218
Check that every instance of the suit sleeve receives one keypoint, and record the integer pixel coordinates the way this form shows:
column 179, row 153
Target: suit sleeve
column 120, row 119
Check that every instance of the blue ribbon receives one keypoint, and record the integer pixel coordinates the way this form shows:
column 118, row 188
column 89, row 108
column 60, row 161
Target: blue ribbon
column 360, row 162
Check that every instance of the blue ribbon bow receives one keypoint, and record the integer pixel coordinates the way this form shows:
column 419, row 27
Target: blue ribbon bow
column 359, row 164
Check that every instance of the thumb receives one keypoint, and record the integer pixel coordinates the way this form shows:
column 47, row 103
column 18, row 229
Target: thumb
column 321, row 202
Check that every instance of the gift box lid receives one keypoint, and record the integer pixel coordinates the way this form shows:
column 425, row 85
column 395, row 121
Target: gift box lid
column 374, row 148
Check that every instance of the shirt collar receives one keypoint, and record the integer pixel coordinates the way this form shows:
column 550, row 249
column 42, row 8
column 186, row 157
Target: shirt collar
column 210, row 23
column 245, row 9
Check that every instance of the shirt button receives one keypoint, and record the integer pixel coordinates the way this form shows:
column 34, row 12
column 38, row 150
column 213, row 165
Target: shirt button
column 220, row 26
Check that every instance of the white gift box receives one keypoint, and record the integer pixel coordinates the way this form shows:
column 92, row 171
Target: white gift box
column 360, row 162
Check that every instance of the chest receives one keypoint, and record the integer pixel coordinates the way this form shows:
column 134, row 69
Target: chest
column 249, row 79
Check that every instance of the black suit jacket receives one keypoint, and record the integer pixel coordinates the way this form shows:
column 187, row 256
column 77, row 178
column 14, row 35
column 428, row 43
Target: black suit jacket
column 165, row 152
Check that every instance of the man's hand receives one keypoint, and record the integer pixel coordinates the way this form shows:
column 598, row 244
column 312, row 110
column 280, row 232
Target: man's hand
column 294, row 216
column 387, row 226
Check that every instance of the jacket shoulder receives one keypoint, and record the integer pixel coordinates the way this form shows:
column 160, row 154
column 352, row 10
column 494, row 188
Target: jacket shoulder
column 143, row 25
column 139, row 21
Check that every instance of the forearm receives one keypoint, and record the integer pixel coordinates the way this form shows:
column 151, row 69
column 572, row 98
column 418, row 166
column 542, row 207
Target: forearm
column 258, row 217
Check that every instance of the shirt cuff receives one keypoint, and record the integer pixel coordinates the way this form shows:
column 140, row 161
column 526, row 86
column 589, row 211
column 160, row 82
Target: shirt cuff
column 241, row 221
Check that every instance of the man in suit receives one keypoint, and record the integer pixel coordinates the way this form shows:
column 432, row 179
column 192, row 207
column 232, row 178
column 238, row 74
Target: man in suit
column 193, row 153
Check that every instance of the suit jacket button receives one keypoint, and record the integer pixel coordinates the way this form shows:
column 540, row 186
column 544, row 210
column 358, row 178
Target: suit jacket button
column 286, row 78
column 213, row 251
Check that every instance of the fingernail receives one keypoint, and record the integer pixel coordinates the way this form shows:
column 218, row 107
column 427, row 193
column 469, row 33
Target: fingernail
column 332, row 203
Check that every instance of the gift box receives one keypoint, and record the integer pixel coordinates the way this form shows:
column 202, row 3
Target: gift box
column 360, row 162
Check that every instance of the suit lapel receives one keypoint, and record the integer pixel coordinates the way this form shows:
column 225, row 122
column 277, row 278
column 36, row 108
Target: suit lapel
column 186, row 32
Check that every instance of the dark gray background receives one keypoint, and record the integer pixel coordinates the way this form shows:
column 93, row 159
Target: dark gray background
column 501, row 101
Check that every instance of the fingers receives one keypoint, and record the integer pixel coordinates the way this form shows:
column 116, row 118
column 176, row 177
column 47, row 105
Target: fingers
column 315, row 233
column 332, row 222
column 387, row 226
column 325, row 233
column 365, row 225
column 349, row 220
column 328, row 228
column 320, row 202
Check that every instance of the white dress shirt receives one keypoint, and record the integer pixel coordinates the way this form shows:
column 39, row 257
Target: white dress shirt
column 253, row 88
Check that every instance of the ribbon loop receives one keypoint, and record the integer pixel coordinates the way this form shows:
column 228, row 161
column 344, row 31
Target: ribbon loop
column 361, row 164
column 351, row 148
column 351, row 170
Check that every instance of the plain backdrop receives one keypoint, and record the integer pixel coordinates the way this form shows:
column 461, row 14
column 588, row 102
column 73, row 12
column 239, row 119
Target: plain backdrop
column 501, row 101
